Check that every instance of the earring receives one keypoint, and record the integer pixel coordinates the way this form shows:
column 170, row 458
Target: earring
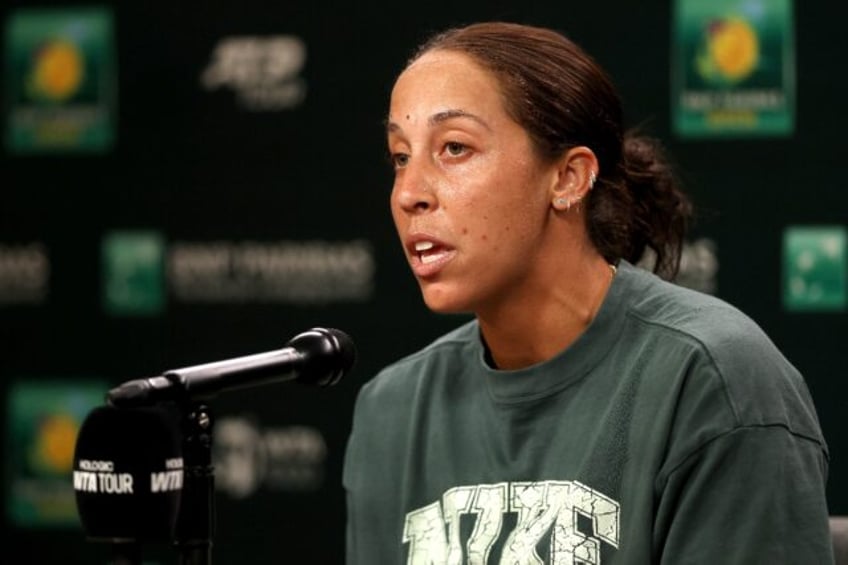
column 592, row 178
column 563, row 202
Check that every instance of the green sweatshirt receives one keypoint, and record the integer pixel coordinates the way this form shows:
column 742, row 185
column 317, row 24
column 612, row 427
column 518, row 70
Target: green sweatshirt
column 672, row 431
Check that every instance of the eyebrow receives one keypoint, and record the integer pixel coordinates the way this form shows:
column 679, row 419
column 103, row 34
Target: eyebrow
column 441, row 117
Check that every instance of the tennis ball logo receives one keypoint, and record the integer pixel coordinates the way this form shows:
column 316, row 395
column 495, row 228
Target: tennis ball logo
column 730, row 52
column 53, row 450
column 57, row 72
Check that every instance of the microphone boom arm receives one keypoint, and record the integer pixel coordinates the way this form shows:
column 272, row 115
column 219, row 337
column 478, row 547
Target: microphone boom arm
column 320, row 356
column 206, row 381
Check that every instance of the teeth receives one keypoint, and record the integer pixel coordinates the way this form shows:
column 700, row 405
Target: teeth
column 428, row 252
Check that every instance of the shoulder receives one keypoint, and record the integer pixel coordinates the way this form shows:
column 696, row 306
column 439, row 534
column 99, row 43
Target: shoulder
column 731, row 354
column 722, row 331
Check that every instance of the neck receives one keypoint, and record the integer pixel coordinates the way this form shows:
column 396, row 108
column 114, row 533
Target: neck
column 546, row 318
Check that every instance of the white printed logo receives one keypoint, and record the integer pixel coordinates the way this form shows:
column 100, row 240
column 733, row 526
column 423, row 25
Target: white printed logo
column 296, row 272
column 248, row 457
column 546, row 507
column 263, row 71
column 24, row 273
column 170, row 479
column 698, row 265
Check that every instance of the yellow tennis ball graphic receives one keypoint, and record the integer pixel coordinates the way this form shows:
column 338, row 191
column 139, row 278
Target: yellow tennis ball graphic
column 58, row 70
column 54, row 448
column 734, row 48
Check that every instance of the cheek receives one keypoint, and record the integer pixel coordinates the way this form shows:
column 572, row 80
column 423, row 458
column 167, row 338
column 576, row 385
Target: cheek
column 521, row 208
column 397, row 214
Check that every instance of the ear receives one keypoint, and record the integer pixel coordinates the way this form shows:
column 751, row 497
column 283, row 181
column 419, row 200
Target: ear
column 576, row 173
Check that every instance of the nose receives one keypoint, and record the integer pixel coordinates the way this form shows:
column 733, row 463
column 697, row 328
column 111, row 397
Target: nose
column 413, row 189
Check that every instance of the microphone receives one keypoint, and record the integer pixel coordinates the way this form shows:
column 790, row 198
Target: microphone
column 128, row 473
column 319, row 356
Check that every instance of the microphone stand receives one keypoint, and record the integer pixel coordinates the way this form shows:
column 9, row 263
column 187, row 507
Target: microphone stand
column 196, row 518
column 126, row 553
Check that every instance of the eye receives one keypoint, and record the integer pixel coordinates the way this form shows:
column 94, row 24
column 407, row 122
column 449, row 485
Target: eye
column 455, row 149
column 399, row 160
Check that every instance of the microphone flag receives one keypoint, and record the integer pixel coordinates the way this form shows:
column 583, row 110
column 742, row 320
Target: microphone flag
column 128, row 473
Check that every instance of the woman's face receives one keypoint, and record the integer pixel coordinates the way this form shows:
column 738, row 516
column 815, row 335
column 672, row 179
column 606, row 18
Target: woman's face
column 470, row 199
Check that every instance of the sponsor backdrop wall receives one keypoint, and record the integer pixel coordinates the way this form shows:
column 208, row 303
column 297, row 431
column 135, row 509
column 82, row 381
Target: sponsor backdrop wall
column 183, row 184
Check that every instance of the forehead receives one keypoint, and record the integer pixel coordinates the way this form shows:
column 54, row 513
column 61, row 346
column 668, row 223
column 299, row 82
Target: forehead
column 444, row 60
column 445, row 80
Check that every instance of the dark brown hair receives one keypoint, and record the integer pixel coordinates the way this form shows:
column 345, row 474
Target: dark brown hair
column 564, row 99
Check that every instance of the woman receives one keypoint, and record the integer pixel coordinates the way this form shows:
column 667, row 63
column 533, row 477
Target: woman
column 591, row 412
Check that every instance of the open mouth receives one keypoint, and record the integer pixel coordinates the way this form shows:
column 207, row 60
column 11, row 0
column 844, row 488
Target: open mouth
column 428, row 252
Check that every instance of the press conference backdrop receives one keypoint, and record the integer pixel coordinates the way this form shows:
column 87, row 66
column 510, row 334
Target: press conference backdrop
column 189, row 183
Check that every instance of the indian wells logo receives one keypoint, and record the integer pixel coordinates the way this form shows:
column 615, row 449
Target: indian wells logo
column 57, row 72
column 133, row 273
column 730, row 51
column 733, row 68
column 815, row 268
column 43, row 418
column 61, row 80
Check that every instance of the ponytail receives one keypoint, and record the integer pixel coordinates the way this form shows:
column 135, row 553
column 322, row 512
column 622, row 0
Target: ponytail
column 640, row 207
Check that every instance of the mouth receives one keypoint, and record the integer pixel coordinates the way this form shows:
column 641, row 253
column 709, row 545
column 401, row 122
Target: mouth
column 429, row 252
column 428, row 256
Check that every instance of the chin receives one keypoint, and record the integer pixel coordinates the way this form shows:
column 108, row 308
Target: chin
column 444, row 302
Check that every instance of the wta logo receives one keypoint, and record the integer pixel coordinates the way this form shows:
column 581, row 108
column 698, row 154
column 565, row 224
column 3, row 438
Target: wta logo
column 170, row 479
column 128, row 473
column 101, row 477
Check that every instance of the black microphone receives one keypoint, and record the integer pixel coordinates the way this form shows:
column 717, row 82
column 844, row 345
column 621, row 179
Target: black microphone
column 128, row 473
column 319, row 356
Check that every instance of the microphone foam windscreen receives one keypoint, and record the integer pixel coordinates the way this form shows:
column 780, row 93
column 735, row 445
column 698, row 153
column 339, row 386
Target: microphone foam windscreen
column 128, row 473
